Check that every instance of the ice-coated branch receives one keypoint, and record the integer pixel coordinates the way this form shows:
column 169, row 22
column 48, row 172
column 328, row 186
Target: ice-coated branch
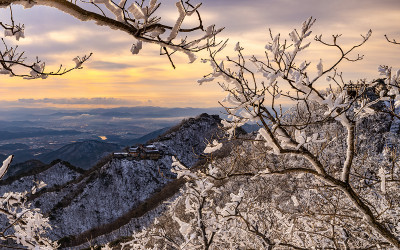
column 10, row 59
column 350, row 127
column 13, row 62
column 250, row 99
column 6, row 164
column 28, row 224
column 138, row 20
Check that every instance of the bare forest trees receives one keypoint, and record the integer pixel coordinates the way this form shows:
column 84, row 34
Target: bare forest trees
column 313, row 175
column 288, row 137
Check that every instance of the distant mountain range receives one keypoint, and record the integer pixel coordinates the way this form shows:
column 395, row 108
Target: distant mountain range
column 34, row 114
column 86, row 148
column 81, row 154
column 31, row 133
column 84, row 154
column 141, row 140
column 22, row 155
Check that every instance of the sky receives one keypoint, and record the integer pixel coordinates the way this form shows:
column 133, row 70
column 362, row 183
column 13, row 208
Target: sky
column 114, row 77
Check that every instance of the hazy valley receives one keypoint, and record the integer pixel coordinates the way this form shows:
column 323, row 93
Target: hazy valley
column 39, row 133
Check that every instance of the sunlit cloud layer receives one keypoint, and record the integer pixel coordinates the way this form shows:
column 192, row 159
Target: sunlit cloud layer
column 115, row 77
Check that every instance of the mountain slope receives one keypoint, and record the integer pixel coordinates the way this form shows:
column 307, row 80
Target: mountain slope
column 115, row 187
column 24, row 167
column 188, row 139
column 81, row 154
column 149, row 136
column 185, row 141
column 56, row 173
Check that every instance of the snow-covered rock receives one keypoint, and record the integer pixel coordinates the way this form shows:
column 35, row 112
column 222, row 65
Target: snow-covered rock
column 56, row 174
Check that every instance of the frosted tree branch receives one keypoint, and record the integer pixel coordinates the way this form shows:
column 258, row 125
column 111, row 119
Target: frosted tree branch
column 252, row 100
column 136, row 19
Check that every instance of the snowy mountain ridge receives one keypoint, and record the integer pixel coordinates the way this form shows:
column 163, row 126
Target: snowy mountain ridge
column 77, row 203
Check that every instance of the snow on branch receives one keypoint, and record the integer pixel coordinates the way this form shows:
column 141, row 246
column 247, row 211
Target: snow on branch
column 258, row 88
column 13, row 62
column 212, row 147
column 29, row 226
column 6, row 164
column 137, row 18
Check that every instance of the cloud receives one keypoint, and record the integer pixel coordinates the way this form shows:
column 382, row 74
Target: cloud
column 57, row 38
column 107, row 65
column 80, row 101
column 123, row 119
column 150, row 69
column 165, row 119
column 82, row 116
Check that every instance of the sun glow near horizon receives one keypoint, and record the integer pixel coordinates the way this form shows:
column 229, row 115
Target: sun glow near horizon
column 122, row 79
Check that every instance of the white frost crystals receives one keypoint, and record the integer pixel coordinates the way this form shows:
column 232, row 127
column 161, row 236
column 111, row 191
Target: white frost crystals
column 136, row 47
column 6, row 164
column 17, row 31
column 306, row 140
column 262, row 133
column 392, row 80
column 230, row 207
column 137, row 11
column 136, row 18
column 37, row 71
column 382, row 176
column 179, row 169
column 237, row 47
column 295, row 201
column 184, row 228
column 29, row 225
column 179, row 21
column 212, row 147
column 79, row 61
column 320, row 68
column 143, row 19
column 303, row 139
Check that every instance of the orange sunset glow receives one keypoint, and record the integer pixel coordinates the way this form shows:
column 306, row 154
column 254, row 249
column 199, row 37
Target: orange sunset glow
column 113, row 73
